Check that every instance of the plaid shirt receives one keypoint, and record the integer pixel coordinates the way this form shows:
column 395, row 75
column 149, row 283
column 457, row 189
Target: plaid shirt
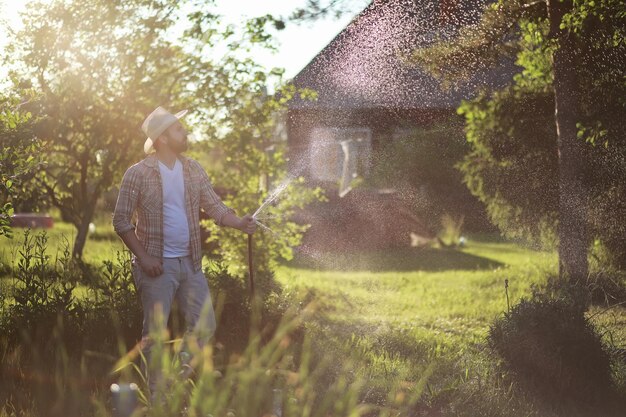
column 141, row 190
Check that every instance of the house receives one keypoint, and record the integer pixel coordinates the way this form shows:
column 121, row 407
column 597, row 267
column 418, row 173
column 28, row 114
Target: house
column 367, row 94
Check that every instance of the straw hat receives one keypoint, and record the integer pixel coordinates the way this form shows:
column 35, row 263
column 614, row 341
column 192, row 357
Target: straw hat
column 156, row 123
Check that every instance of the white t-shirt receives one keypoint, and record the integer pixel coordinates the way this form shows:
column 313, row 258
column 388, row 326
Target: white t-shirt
column 175, row 225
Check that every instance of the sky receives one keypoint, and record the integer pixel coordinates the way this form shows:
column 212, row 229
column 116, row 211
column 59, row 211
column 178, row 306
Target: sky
column 297, row 44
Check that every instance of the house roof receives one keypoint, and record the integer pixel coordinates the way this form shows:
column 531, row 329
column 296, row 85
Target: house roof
column 362, row 67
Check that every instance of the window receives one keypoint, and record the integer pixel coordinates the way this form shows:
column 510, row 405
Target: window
column 340, row 154
column 401, row 133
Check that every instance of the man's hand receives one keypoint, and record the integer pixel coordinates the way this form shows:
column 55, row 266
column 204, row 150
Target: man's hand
column 248, row 224
column 152, row 266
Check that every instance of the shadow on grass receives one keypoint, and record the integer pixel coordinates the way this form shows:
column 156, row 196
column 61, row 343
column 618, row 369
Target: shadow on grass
column 426, row 259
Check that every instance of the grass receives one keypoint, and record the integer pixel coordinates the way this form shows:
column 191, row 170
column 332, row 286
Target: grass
column 448, row 295
column 418, row 313
column 453, row 306
column 100, row 246
column 415, row 318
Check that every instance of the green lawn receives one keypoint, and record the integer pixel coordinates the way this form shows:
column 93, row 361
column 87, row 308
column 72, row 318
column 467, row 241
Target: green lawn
column 448, row 295
column 414, row 291
column 408, row 313
column 101, row 245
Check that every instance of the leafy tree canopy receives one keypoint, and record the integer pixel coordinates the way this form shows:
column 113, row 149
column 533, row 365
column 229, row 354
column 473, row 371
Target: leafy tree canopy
column 99, row 67
column 514, row 163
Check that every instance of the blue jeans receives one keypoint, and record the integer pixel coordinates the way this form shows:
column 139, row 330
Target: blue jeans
column 157, row 294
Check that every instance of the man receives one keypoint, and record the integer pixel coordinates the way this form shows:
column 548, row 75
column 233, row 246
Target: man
column 167, row 190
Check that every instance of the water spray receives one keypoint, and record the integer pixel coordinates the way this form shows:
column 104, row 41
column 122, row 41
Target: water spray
column 273, row 196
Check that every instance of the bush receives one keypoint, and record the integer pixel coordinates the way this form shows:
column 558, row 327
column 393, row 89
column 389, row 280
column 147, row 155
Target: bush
column 422, row 167
column 551, row 349
column 233, row 309
column 56, row 346
column 603, row 287
column 58, row 350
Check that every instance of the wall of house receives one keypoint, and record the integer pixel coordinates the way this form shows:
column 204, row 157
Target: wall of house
column 358, row 218
column 371, row 217
column 381, row 124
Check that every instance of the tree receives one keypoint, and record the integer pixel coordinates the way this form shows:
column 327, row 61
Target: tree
column 102, row 66
column 253, row 158
column 19, row 156
column 571, row 55
column 99, row 67
column 572, row 228
column 320, row 9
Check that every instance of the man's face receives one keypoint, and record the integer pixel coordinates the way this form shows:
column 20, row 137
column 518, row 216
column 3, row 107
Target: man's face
column 176, row 138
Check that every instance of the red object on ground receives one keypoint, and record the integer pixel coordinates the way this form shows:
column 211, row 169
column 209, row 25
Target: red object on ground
column 32, row 220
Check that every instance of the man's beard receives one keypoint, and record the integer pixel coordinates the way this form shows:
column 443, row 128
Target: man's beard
column 177, row 146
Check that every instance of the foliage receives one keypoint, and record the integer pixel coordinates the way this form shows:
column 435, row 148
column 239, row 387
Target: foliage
column 44, row 286
column 514, row 165
column 102, row 245
column 241, row 123
column 37, row 290
column 95, row 90
column 78, row 340
column 497, row 170
column 422, row 166
column 478, row 46
column 554, row 351
column 19, row 156
column 419, row 317
column 279, row 376
column 235, row 308
column 604, row 287
column 52, row 326
column 320, row 9
column 408, row 314
column 252, row 168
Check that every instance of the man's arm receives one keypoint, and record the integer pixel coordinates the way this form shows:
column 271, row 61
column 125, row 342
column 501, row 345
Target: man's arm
column 150, row 265
column 124, row 208
column 215, row 208
column 245, row 224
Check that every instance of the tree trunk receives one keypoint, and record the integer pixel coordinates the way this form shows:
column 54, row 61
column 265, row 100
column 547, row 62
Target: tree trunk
column 82, row 231
column 572, row 229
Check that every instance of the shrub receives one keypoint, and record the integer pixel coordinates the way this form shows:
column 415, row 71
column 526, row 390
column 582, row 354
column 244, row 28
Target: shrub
column 553, row 351
column 37, row 291
column 54, row 345
column 231, row 297
column 603, row 286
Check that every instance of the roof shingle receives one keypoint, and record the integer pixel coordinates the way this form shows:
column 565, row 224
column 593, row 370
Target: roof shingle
column 363, row 66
